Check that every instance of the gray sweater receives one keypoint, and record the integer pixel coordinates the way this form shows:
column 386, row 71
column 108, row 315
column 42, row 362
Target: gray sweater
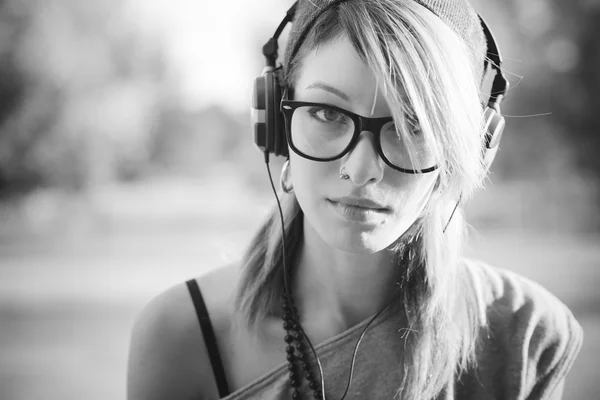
column 532, row 345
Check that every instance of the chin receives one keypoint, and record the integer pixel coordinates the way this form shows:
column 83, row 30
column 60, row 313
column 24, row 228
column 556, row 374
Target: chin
column 355, row 240
column 357, row 246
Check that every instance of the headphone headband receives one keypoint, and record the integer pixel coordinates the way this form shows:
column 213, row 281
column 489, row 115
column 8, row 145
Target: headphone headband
column 270, row 48
column 500, row 85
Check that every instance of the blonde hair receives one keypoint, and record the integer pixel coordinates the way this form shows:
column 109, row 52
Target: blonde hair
column 427, row 76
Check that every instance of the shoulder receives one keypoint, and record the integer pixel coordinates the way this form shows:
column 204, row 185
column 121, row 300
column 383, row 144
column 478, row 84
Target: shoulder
column 508, row 296
column 167, row 355
column 532, row 338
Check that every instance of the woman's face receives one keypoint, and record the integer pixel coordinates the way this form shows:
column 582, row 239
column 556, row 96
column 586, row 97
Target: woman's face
column 375, row 206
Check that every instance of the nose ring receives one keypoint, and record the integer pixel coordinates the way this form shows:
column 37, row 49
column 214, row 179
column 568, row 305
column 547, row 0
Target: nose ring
column 343, row 175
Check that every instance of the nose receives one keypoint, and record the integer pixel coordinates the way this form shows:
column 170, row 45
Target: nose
column 363, row 163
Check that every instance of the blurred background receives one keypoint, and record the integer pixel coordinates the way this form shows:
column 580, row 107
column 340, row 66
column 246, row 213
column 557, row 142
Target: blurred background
column 127, row 166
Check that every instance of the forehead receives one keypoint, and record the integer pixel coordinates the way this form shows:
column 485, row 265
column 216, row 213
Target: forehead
column 337, row 64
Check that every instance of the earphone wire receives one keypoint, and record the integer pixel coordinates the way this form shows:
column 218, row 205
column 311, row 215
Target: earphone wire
column 355, row 352
column 453, row 211
column 287, row 290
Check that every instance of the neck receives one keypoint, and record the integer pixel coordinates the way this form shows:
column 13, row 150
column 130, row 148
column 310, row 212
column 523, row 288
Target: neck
column 335, row 290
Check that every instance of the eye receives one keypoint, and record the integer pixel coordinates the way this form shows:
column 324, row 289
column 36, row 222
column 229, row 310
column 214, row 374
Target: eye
column 325, row 114
column 415, row 126
column 414, row 129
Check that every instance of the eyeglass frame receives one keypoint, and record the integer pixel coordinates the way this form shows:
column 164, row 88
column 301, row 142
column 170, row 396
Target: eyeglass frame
column 373, row 125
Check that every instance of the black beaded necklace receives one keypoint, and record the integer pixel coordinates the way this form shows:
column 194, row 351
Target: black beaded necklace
column 297, row 355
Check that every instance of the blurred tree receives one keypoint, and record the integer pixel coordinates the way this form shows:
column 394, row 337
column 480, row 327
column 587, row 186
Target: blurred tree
column 78, row 87
column 559, row 43
column 13, row 86
column 579, row 41
column 551, row 55
column 191, row 141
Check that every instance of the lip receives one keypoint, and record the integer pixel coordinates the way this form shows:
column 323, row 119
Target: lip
column 359, row 202
column 361, row 211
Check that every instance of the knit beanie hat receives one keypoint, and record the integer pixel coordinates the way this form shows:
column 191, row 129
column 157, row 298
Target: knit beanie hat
column 457, row 14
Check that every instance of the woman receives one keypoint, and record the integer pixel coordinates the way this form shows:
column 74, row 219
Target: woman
column 383, row 123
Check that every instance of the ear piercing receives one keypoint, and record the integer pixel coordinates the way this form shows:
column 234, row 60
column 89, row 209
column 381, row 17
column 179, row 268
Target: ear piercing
column 284, row 182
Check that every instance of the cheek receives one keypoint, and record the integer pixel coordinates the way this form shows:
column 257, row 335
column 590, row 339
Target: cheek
column 411, row 195
column 411, row 192
column 311, row 179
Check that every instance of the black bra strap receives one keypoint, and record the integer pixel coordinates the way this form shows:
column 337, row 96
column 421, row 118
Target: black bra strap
column 209, row 337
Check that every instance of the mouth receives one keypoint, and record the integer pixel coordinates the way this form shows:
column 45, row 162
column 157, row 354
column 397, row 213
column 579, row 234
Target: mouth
column 359, row 212
column 360, row 204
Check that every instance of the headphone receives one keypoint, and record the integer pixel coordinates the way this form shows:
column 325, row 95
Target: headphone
column 267, row 119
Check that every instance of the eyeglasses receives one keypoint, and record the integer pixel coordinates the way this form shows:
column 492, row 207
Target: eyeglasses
column 322, row 132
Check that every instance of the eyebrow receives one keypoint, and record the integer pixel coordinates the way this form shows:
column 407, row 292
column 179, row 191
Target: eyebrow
column 330, row 89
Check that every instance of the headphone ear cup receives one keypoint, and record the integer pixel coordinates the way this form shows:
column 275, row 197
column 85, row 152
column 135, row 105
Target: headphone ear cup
column 274, row 117
column 494, row 126
column 259, row 115
column 267, row 119
column 280, row 147
column 493, row 129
